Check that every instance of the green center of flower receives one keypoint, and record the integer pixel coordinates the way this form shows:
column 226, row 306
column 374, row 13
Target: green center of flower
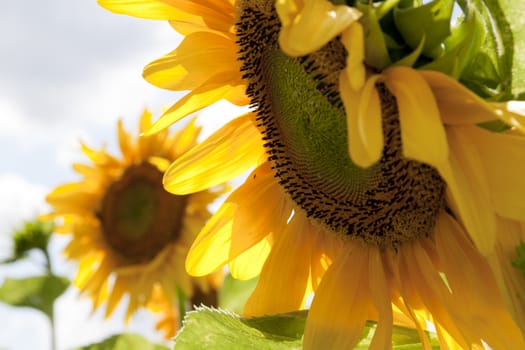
column 303, row 123
column 139, row 218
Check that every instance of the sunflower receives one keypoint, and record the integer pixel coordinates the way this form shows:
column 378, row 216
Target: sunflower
column 128, row 235
column 376, row 189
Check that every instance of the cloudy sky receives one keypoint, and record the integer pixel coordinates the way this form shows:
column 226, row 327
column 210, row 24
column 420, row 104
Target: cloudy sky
column 68, row 70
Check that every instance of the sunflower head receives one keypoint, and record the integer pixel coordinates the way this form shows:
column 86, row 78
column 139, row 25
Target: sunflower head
column 128, row 235
column 302, row 119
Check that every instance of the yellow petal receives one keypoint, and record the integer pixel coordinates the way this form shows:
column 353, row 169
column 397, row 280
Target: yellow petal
column 380, row 291
column 218, row 24
column 503, row 157
column 284, row 278
column 325, row 248
column 510, row 235
column 87, row 266
column 149, row 9
column 353, row 40
column 369, row 121
column 248, row 264
column 145, row 121
column 211, row 248
column 214, row 89
column 364, row 123
column 124, row 140
column 424, row 290
column 340, row 306
column 307, row 28
column 254, row 219
column 422, row 131
column 457, row 104
column 227, row 153
column 73, row 198
column 119, row 289
column 148, row 145
column 200, row 55
column 204, row 8
column 468, row 188
column 100, row 157
column 184, row 139
column 479, row 303
column 216, row 16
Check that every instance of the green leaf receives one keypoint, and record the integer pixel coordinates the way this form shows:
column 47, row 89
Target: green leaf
column 501, row 53
column 234, row 293
column 288, row 326
column 431, row 20
column 37, row 292
column 514, row 16
column 214, row 329
column 126, row 341
column 207, row 328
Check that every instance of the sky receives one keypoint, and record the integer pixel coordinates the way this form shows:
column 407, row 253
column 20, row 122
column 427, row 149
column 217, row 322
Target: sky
column 68, row 71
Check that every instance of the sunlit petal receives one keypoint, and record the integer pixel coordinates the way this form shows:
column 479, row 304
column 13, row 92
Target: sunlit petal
column 227, row 153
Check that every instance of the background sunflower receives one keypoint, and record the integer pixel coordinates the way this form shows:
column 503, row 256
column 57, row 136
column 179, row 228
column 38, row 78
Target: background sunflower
column 128, row 235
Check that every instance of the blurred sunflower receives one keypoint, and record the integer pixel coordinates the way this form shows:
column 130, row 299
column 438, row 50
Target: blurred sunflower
column 371, row 186
column 130, row 236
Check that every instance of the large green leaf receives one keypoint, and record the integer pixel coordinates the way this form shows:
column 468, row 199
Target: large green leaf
column 126, row 341
column 514, row 14
column 37, row 292
column 234, row 293
column 215, row 329
column 498, row 69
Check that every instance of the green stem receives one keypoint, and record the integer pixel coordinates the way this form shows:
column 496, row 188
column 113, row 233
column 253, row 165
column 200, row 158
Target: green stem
column 53, row 330
column 49, row 271
column 385, row 7
column 181, row 299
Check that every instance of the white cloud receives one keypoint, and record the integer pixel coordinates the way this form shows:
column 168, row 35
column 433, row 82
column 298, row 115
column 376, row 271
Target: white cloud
column 72, row 71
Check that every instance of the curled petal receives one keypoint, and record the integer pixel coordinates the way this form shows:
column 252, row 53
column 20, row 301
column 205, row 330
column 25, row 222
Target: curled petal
column 307, row 27
column 364, row 121
column 422, row 131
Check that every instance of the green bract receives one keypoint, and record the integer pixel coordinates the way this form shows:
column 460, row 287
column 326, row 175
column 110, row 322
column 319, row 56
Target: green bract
column 430, row 22
column 479, row 42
